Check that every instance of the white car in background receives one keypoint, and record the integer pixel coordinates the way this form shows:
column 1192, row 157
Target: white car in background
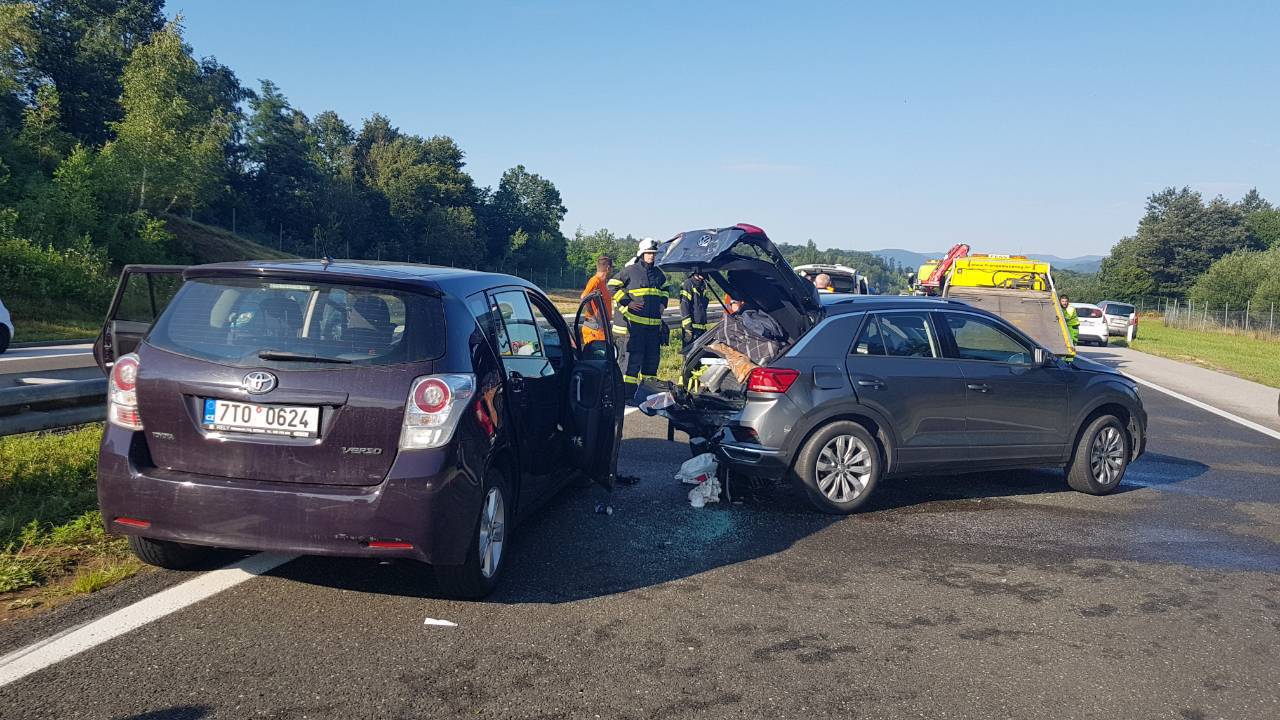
column 1093, row 326
column 6, row 327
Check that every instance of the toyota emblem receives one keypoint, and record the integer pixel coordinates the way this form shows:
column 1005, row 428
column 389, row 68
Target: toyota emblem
column 258, row 382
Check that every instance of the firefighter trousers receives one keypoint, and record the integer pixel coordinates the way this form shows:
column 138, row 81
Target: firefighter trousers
column 643, row 350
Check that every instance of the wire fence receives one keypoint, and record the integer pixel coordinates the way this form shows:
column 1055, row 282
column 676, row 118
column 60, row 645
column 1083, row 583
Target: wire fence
column 1248, row 318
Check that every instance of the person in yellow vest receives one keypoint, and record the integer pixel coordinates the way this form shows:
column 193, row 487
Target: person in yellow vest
column 1072, row 318
column 640, row 295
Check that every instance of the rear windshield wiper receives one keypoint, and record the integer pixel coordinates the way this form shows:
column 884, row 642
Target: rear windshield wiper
column 299, row 357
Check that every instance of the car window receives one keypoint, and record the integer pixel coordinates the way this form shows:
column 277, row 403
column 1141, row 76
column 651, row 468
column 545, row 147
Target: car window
column 1118, row 309
column 908, row 335
column 1086, row 312
column 518, row 334
column 141, row 290
column 552, row 342
column 978, row 338
column 869, row 341
column 234, row 319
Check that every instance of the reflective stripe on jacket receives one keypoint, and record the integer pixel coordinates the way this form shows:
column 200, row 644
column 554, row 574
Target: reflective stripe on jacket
column 693, row 305
column 639, row 282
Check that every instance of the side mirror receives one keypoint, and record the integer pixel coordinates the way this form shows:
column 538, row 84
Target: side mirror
column 1042, row 357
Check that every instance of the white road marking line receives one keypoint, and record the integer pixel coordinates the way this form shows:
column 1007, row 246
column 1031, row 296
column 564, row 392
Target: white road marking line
column 20, row 663
column 1205, row 406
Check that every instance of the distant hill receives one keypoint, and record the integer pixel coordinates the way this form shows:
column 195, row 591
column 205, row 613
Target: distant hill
column 1082, row 264
column 195, row 243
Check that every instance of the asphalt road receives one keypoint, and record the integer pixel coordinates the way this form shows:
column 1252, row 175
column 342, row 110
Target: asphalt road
column 995, row 596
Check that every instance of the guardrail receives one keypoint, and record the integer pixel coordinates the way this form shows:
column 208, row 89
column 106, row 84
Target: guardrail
column 45, row 407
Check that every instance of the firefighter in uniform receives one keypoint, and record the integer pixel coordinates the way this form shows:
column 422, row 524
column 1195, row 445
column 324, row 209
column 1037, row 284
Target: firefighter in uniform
column 640, row 295
column 693, row 308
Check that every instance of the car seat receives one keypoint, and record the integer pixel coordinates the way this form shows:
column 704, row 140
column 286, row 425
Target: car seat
column 278, row 317
column 373, row 335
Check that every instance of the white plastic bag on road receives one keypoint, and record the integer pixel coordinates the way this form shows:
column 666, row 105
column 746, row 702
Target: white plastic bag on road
column 700, row 472
column 703, row 493
column 698, row 469
column 656, row 402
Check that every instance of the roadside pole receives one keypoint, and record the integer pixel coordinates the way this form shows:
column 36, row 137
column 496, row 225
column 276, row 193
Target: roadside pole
column 1248, row 304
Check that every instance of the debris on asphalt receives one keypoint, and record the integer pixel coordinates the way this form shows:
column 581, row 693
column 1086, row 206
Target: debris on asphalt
column 627, row 479
column 604, row 509
column 698, row 469
column 656, row 402
column 707, row 492
column 439, row 623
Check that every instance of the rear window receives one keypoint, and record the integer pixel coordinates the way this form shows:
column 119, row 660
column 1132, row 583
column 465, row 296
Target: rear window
column 1088, row 312
column 232, row 320
column 1118, row 309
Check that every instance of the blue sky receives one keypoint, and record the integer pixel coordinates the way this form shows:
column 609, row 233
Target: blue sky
column 1015, row 127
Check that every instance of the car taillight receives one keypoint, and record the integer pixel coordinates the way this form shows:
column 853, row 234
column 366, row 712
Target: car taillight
column 436, row 402
column 771, row 380
column 122, row 395
column 1133, row 320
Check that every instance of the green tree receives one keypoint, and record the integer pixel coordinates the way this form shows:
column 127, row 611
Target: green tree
column 168, row 151
column 41, row 129
column 528, row 203
column 83, row 48
column 1264, row 226
column 282, row 173
column 1233, row 279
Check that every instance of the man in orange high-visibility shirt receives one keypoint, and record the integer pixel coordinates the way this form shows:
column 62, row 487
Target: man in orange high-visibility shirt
column 593, row 327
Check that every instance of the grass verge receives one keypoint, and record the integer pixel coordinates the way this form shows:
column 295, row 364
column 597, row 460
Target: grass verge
column 32, row 324
column 52, row 543
column 1249, row 356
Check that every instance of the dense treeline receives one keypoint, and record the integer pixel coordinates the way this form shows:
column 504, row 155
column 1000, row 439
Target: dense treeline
column 584, row 248
column 1216, row 251
column 109, row 125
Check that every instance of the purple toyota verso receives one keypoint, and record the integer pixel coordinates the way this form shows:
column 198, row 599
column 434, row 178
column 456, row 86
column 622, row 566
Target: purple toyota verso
column 346, row 408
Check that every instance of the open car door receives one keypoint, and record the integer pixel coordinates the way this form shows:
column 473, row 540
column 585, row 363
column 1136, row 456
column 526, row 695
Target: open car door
column 141, row 295
column 596, row 394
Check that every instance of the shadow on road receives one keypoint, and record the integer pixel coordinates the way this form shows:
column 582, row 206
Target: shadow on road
column 567, row 552
column 179, row 712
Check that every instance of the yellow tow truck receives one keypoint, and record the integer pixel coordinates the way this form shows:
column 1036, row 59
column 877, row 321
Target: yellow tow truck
column 1015, row 287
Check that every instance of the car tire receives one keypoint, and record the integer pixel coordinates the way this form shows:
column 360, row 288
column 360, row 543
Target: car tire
column 167, row 554
column 479, row 574
column 1101, row 457
column 839, row 467
column 4, row 339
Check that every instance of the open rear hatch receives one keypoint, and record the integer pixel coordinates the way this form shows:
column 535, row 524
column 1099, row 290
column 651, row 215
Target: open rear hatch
column 780, row 307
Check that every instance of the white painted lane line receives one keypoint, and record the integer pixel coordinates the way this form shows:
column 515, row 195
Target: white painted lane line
column 1205, row 406
column 20, row 663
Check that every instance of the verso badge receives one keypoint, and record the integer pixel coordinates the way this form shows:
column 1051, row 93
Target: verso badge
column 258, row 382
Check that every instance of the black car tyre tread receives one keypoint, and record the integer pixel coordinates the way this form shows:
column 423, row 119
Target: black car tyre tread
column 807, row 460
column 1080, row 474
column 4, row 339
column 167, row 554
column 466, row 581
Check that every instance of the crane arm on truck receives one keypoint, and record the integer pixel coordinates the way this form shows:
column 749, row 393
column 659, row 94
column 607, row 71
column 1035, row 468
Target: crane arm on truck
column 935, row 278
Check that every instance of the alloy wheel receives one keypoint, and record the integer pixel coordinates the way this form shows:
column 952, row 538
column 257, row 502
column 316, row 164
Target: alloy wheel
column 843, row 468
column 1106, row 456
column 493, row 530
